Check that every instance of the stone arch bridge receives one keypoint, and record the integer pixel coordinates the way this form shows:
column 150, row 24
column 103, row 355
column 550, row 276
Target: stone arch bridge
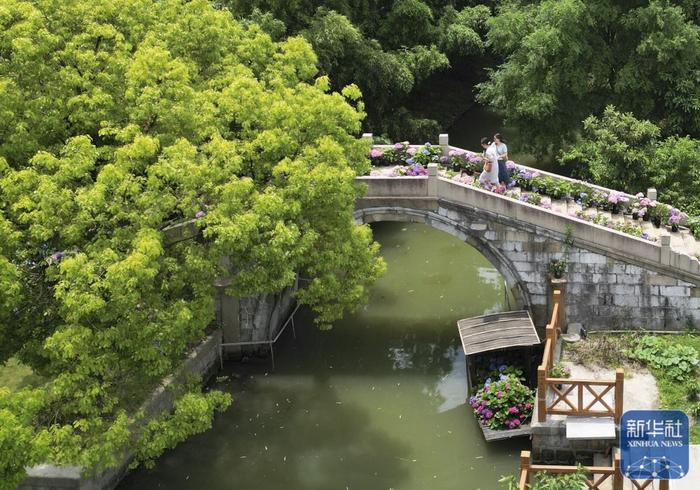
column 615, row 281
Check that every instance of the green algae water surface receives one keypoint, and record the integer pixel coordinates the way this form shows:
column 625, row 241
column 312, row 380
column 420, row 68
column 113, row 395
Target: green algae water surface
column 378, row 402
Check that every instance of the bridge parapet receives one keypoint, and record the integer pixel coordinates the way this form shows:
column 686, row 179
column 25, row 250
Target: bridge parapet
column 415, row 192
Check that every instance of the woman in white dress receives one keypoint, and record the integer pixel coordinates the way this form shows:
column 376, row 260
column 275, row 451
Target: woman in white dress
column 489, row 177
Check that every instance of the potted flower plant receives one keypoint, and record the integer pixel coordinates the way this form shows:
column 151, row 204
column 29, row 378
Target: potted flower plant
column 503, row 404
column 560, row 371
column 675, row 217
column 658, row 213
column 557, row 268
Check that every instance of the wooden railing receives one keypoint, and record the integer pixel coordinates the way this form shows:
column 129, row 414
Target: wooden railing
column 597, row 475
column 569, row 395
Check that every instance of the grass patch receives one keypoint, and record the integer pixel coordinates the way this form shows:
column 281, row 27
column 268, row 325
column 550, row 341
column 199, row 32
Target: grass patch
column 611, row 351
column 15, row 375
column 607, row 351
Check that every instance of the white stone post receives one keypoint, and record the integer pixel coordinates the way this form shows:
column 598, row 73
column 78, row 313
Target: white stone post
column 432, row 179
column 444, row 140
column 665, row 256
column 651, row 193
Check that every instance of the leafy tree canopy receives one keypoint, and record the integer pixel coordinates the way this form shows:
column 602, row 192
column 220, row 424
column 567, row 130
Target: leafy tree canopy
column 619, row 151
column 119, row 116
column 567, row 59
column 390, row 48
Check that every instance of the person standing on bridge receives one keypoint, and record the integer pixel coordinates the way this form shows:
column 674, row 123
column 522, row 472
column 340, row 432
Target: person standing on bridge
column 502, row 154
column 489, row 177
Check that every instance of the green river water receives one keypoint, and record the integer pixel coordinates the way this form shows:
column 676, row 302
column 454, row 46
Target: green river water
column 378, row 402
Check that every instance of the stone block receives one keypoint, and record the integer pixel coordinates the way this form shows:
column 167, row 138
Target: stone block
column 490, row 235
column 520, row 257
column 532, row 277
column 633, row 269
column 626, row 300
column 621, row 289
column 533, row 247
column 582, row 277
column 629, row 279
column 478, row 226
column 538, row 299
column 537, row 288
column 525, row 266
column 618, row 268
column 674, row 291
column 516, row 236
column 659, row 280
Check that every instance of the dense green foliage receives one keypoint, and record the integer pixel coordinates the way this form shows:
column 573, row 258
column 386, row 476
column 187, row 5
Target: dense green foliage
column 620, row 151
column 567, row 59
column 119, row 116
column 678, row 362
column 389, row 48
column 546, row 481
column 192, row 415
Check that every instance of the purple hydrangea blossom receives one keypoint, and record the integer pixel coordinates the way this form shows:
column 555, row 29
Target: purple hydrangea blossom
column 200, row 214
column 375, row 153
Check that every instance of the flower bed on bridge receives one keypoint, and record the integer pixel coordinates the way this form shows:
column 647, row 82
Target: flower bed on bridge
column 533, row 187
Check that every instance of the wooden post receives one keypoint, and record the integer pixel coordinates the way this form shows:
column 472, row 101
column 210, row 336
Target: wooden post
column 618, row 479
column 663, row 484
column 524, row 465
column 619, row 394
column 541, row 394
column 559, row 300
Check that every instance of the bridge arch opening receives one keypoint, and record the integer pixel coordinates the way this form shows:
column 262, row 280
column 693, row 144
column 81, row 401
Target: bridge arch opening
column 502, row 264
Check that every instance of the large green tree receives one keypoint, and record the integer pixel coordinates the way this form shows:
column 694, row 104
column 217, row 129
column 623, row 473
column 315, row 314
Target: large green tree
column 620, row 151
column 119, row 116
column 567, row 59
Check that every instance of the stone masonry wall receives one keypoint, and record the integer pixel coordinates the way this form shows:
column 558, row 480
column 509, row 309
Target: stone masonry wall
column 603, row 292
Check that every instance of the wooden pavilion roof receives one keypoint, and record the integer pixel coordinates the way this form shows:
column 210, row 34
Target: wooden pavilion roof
column 497, row 331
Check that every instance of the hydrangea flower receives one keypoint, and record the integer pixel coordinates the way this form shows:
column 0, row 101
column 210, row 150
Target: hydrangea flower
column 375, row 153
column 200, row 214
